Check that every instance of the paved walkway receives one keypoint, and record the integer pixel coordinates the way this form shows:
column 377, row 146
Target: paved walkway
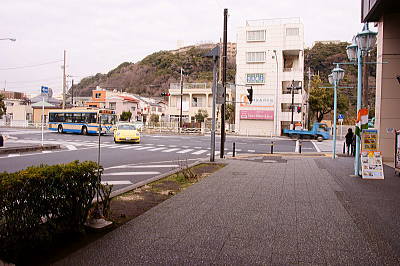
column 294, row 211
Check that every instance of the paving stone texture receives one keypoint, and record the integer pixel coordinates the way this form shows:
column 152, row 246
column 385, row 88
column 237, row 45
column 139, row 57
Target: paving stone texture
column 303, row 211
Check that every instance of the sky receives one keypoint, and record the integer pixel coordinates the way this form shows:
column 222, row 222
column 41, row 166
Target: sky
column 98, row 35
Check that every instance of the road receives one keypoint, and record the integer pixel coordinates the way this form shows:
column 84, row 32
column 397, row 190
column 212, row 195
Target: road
column 126, row 164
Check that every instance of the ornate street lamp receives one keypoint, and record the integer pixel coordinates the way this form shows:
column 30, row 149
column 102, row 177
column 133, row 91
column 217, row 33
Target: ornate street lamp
column 334, row 79
column 366, row 39
column 352, row 51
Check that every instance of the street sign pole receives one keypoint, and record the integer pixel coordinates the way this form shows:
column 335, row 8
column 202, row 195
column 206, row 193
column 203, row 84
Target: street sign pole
column 44, row 91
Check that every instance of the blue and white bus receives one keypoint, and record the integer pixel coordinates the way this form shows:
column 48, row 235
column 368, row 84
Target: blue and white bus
column 83, row 120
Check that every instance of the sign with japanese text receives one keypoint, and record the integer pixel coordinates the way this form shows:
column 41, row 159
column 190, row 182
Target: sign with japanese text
column 255, row 78
column 256, row 115
column 259, row 100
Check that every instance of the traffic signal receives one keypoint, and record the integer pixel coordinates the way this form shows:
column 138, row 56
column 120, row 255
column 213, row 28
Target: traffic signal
column 298, row 109
column 165, row 94
column 250, row 94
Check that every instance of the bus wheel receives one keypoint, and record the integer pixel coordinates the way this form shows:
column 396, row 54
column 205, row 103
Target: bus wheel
column 60, row 129
column 320, row 138
column 84, row 131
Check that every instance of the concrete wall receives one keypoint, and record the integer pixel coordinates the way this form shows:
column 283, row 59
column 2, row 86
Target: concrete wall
column 387, row 110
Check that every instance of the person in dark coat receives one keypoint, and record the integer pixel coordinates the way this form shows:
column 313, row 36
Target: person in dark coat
column 349, row 139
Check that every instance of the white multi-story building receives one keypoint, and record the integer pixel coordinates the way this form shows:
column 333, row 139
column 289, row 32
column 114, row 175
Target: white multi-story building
column 269, row 58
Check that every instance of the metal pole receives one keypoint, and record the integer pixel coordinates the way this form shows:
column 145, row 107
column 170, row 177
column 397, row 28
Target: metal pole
column 334, row 116
column 214, row 94
column 292, row 122
column 98, row 162
column 276, row 95
column 233, row 149
column 180, row 116
column 359, row 95
column 72, row 93
column 64, row 81
column 224, row 54
column 42, row 117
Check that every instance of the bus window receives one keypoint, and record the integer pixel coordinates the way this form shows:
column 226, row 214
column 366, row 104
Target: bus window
column 90, row 117
column 77, row 118
column 68, row 117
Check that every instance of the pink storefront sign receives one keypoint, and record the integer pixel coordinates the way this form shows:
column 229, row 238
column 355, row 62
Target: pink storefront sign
column 257, row 114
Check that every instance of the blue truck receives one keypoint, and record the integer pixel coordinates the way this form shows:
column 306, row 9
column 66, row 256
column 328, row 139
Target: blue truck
column 319, row 131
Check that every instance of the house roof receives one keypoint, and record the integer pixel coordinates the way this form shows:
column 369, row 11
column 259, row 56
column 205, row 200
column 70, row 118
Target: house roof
column 129, row 99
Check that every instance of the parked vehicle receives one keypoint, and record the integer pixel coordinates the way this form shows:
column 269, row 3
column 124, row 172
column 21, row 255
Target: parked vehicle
column 319, row 131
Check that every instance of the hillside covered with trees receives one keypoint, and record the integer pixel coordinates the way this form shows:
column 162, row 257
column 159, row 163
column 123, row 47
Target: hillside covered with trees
column 153, row 74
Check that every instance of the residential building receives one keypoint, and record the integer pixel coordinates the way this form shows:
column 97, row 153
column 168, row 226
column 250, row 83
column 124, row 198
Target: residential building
column 270, row 59
column 196, row 96
column 386, row 15
column 19, row 111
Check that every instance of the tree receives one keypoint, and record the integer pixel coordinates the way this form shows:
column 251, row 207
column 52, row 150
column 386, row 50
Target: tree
column 230, row 113
column 201, row 115
column 125, row 116
column 321, row 99
column 3, row 108
column 154, row 118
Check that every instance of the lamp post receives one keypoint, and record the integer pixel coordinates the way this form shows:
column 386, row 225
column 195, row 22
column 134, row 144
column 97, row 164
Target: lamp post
column 334, row 78
column 362, row 42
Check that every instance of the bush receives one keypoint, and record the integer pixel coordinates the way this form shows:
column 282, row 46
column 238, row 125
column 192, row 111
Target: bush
column 42, row 201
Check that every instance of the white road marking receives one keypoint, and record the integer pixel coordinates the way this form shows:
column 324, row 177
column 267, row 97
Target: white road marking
column 130, row 147
column 160, row 145
column 157, row 149
column 47, row 151
column 125, row 182
column 113, row 146
column 251, row 150
column 144, row 166
column 143, row 148
column 172, row 146
column 170, row 150
column 71, row 147
column 199, row 152
column 185, row 147
column 14, row 155
column 197, row 147
column 148, row 144
column 185, row 151
column 316, row 146
column 297, row 146
column 132, row 173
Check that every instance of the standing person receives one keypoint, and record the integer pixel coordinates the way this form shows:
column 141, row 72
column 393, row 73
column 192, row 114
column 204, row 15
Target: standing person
column 349, row 139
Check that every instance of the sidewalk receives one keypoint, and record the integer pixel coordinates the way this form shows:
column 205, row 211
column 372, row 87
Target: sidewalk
column 293, row 211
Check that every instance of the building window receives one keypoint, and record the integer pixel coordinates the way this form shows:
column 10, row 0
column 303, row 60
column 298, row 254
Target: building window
column 97, row 95
column 255, row 35
column 197, row 102
column 153, row 109
column 113, row 105
column 292, row 31
column 255, row 78
column 133, row 108
column 160, row 109
column 255, row 57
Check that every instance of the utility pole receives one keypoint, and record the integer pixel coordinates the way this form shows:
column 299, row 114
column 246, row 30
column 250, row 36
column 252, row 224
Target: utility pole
column 308, row 96
column 64, row 81
column 180, row 116
column 224, row 54
column 72, row 93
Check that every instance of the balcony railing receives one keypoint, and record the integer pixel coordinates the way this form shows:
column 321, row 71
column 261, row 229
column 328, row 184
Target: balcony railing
column 291, row 69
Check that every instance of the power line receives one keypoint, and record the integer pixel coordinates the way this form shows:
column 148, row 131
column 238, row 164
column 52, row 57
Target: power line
column 29, row 66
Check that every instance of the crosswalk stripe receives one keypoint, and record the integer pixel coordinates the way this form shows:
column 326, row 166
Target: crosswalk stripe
column 170, row 150
column 160, row 145
column 199, row 152
column 47, row 151
column 185, row 151
column 251, row 150
column 157, row 149
column 71, row 147
column 14, row 155
column 129, row 147
column 143, row 148
column 144, row 166
column 132, row 173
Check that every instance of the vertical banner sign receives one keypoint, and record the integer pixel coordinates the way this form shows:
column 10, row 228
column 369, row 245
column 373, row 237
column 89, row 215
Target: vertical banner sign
column 397, row 152
column 44, row 91
column 371, row 159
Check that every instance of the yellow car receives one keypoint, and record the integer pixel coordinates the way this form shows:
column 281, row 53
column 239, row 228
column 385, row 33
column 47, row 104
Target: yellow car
column 126, row 132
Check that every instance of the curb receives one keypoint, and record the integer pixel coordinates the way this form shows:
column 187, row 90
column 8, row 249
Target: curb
column 5, row 150
column 283, row 154
column 152, row 179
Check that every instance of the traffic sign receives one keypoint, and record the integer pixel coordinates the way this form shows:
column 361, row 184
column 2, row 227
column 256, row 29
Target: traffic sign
column 340, row 116
column 44, row 90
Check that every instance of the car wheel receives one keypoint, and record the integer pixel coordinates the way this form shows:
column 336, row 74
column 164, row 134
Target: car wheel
column 84, row 131
column 115, row 141
column 320, row 138
column 60, row 129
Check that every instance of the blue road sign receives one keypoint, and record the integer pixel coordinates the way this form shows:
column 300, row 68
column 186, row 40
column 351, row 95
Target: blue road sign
column 340, row 116
column 44, row 90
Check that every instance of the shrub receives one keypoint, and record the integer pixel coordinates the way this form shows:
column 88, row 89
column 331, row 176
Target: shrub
column 42, row 201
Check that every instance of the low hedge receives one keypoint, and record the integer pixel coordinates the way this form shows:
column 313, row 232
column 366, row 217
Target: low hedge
column 42, row 201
